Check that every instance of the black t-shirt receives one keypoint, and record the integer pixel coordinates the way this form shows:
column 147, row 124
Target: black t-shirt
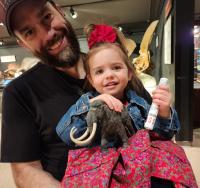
column 32, row 106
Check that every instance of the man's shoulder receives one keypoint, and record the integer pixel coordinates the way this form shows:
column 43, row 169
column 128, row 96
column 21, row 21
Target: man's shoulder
column 38, row 69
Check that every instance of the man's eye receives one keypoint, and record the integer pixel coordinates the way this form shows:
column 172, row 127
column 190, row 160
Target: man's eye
column 28, row 33
column 48, row 17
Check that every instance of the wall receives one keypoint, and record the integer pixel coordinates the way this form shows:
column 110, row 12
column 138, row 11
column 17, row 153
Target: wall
column 21, row 53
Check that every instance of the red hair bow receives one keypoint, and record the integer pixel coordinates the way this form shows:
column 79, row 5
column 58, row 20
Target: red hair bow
column 102, row 33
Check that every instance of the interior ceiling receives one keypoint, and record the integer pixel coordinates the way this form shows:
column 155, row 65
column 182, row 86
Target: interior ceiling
column 197, row 10
column 137, row 13
column 130, row 14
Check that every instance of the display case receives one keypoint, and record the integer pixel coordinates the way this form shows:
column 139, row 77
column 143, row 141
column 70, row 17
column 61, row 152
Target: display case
column 196, row 86
column 197, row 53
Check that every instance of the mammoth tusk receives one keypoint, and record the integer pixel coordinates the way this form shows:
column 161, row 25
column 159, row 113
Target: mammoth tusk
column 79, row 142
column 73, row 130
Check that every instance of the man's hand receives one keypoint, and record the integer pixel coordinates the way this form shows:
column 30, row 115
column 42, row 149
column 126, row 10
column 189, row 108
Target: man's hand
column 32, row 175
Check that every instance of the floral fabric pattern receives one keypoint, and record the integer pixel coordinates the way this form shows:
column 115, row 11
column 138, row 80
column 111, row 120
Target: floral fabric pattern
column 130, row 166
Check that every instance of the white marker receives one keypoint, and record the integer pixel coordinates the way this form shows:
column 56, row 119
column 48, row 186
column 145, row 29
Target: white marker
column 153, row 111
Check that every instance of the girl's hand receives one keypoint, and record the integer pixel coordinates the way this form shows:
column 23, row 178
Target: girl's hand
column 112, row 102
column 163, row 98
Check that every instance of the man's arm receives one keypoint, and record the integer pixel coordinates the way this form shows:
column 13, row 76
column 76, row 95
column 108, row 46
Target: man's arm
column 32, row 175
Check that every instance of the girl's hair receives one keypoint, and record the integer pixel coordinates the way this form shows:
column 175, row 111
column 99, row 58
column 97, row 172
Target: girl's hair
column 135, row 83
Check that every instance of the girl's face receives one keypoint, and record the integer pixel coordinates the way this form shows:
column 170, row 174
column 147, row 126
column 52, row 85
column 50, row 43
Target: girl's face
column 108, row 72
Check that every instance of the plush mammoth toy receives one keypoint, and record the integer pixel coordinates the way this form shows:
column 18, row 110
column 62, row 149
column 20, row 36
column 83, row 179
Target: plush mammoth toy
column 115, row 126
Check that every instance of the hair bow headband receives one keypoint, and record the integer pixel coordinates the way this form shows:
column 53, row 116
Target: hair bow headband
column 102, row 33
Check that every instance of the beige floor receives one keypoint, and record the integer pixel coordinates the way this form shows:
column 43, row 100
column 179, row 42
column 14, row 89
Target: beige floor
column 193, row 154
column 6, row 180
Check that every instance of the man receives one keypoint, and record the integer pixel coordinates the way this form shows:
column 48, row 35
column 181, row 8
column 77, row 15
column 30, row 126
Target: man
column 34, row 102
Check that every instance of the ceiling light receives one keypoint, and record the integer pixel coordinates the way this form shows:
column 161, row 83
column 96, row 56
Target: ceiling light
column 120, row 28
column 1, row 24
column 73, row 13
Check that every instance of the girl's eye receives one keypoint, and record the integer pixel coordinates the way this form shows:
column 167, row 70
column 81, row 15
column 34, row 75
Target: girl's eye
column 98, row 72
column 117, row 67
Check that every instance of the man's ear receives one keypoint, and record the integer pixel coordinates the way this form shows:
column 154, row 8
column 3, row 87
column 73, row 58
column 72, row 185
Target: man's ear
column 24, row 45
column 21, row 43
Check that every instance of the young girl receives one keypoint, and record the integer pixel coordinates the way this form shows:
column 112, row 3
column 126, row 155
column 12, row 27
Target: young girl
column 114, row 81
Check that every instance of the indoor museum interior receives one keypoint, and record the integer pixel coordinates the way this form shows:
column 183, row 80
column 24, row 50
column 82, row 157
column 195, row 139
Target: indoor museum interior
column 154, row 27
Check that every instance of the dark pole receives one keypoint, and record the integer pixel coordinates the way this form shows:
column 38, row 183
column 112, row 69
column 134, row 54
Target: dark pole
column 184, row 63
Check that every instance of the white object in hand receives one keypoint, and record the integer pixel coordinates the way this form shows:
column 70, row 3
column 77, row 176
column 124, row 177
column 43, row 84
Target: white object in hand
column 153, row 111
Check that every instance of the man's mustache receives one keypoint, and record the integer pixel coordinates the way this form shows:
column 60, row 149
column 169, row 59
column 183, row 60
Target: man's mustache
column 51, row 42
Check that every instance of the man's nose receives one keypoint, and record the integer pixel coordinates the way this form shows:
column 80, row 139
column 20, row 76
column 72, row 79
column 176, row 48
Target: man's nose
column 50, row 34
column 44, row 28
column 46, row 34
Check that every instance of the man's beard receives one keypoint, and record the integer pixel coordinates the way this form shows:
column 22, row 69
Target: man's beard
column 66, row 58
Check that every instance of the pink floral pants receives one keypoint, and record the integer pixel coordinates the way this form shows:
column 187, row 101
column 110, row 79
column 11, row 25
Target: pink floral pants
column 130, row 166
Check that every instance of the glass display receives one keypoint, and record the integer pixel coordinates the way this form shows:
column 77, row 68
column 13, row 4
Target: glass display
column 197, row 53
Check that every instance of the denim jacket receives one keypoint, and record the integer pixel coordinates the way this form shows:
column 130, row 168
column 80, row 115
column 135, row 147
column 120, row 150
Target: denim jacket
column 137, row 108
